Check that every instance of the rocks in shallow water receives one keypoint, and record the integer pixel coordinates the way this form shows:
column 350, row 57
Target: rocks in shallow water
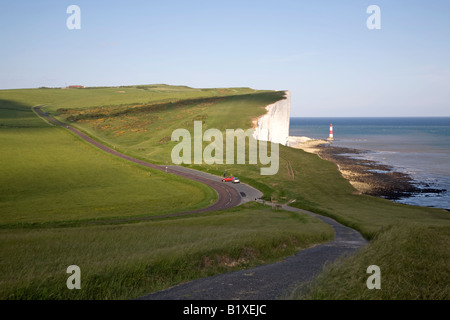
column 431, row 190
column 378, row 179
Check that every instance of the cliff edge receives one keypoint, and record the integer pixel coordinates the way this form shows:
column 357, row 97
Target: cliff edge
column 274, row 125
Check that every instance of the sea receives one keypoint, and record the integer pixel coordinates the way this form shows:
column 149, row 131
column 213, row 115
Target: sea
column 419, row 147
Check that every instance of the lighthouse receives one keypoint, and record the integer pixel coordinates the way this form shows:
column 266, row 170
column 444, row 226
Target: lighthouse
column 331, row 133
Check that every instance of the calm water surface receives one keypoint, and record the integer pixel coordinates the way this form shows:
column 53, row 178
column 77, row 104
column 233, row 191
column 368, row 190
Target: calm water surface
column 417, row 146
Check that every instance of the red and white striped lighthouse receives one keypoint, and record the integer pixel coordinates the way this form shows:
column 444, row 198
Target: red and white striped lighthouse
column 331, row 137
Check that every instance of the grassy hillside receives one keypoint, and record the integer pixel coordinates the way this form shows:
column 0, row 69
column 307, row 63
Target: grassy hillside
column 50, row 175
column 53, row 186
column 414, row 265
column 55, row 98
column 127, row 261
column 143, row 129
column 315, row 184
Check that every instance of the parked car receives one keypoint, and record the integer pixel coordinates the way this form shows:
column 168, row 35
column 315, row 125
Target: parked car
column 236, row 180
column 228, row 179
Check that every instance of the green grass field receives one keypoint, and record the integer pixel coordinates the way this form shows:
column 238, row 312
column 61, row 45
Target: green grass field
column 50, row 175
column 55, row 98
column 131, row 260
column 406, row 241
column 145, row 130
column 414, row 265
column 55, row 188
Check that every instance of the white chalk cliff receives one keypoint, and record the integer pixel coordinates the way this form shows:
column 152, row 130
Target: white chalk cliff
column 274, row 125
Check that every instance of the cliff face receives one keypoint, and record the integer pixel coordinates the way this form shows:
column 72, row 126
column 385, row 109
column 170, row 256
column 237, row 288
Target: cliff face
column 274, row 125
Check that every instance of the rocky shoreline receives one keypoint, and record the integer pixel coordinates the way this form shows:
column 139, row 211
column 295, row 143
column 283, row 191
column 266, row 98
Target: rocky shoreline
column 367, row 176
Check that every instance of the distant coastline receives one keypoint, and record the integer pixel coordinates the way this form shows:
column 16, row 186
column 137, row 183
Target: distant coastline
column 366, row 176
column 402, row 159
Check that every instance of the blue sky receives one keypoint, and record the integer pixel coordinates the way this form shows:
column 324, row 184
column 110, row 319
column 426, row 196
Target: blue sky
column 322, row 51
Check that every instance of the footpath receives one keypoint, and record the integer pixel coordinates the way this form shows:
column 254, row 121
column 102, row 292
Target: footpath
column 272, row 281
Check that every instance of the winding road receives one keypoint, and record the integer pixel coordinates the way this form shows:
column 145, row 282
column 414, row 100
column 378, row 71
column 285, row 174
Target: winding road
column 228, row 195
column 265, row 282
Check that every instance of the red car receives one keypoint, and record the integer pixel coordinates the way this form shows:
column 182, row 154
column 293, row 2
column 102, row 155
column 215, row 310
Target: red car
column 228, row 179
